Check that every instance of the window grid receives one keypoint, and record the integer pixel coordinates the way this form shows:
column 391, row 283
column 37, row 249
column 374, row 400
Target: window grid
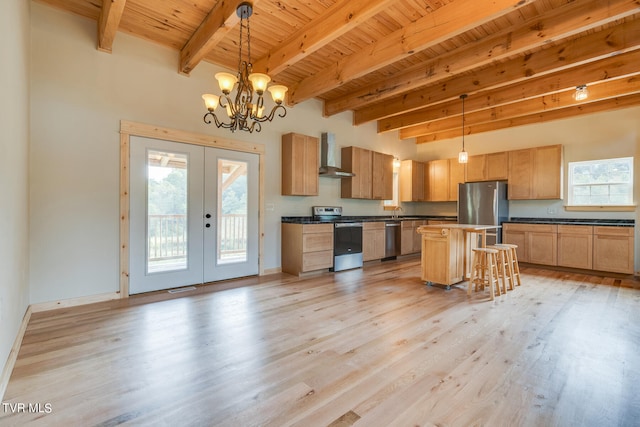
column 607, row 182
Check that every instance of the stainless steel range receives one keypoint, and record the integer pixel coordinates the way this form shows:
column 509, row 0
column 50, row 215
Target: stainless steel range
column 347, row 237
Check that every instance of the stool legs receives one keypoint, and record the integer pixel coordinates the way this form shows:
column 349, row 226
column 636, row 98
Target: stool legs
column 485, row 271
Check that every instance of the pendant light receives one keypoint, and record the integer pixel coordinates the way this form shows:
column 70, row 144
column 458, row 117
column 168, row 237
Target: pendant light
column 463, row 156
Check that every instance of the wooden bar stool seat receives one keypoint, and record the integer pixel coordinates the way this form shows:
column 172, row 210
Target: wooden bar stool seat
column 505, row 267
column 485, row 271
column 513, row 254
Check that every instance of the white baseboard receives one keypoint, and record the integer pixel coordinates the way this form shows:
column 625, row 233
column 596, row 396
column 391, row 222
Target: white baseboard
column 72, row 302
column 13, row 354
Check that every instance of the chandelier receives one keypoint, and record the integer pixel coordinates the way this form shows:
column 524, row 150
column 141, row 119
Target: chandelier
column 463, row 156
column 243, row 113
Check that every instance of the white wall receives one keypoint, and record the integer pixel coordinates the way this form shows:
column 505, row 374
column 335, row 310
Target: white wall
column 79, row 95
column 14, row 149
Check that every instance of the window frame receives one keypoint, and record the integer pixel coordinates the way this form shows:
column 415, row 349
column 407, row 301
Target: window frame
column 571, row 204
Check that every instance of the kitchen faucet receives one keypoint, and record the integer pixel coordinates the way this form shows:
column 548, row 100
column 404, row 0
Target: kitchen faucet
column 395, row 212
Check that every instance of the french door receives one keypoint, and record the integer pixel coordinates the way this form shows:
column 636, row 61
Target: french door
column 193, row 214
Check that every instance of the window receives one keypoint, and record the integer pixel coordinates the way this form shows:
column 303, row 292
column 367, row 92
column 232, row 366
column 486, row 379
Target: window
column 607, row 182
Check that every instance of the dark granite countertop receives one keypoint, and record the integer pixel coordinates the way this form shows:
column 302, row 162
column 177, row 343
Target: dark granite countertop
column 574, row 221
column 312, row 220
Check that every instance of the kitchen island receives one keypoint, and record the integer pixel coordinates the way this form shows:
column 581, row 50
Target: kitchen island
column 446, row 251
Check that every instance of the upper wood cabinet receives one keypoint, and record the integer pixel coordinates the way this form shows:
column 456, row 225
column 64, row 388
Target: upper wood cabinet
column 456, row 176
column 488, row 167
column 359, row 161
column 535, row 173
column 300, row 163
column 437, row 180
column 412, row 181
column 382, row 176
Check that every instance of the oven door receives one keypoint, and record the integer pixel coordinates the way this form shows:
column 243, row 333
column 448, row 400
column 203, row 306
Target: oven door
column 347, row 238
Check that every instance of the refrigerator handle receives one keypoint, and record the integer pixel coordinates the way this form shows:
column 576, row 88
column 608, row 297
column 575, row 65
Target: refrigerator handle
column 495, row 206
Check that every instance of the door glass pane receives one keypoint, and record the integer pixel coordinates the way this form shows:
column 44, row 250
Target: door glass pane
column 166, row 211
column 232, row 211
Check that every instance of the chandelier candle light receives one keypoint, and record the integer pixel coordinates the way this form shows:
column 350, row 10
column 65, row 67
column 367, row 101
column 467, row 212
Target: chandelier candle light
column 244, row 114
column 463, row 156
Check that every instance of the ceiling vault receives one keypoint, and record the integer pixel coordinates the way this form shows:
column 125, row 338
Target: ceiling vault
column 404, row 63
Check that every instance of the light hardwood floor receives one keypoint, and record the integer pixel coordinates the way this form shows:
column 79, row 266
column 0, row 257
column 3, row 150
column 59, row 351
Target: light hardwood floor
column 369, row 347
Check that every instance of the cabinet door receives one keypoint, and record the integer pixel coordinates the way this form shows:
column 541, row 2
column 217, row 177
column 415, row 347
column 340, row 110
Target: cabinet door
column 476, row 168
column 412, row 181
column 358, row 161
column 547, row 176
column 373, row 241
column 520, row 175
column 417, row 239
column 438, row 180
column 456, row 176
column 299, row 165
column 517, row 237
column 575, row 246
column 613, row 249
column 382, row 176
column 497, row 166
column 406, row 237
column 543, row 248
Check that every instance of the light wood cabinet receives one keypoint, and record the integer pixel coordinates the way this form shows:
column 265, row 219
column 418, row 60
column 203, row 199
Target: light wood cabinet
column 613, row 249
column 437, row 180
column 488, row 167
column 300, row 163
column 382, row 176
column 410, row 241
column 442, row 258
column 537, row 243
column 535, row 173
column 456, row 176
column 358, row 161
column 373, row 241
column 306, row 247
column 412, row 181
column 575, row 246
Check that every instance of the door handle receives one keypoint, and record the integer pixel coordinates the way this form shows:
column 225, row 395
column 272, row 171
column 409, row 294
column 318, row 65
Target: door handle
column 207, row 225
column 207, row 216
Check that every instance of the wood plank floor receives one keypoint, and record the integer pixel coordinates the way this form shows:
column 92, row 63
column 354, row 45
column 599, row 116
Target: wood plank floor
column 367, row 347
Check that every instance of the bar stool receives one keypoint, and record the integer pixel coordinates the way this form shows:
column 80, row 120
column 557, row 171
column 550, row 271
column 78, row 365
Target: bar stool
column 505, row 266
column 485, row 271
column 513, row 255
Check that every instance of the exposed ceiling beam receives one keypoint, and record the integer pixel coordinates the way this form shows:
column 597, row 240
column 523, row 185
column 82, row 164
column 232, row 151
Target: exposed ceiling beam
column 211, row 31
column 557, row 24
column 448, row 21
column 582, row 50
column 335, row 22
column 609, row 68
column 582, row 109
column 555, row 101
column 108, row 23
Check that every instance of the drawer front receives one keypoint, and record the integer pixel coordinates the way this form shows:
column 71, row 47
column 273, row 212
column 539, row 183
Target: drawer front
column 373, row 226
column 313, row 242
column 614, row 231
column 317, row 260
column 575, row 229
column 407, row 224
column 535, row 228
column 317, row 228
column 515, row 227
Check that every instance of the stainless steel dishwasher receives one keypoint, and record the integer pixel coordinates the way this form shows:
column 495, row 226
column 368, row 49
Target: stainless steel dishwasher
column 392, row 239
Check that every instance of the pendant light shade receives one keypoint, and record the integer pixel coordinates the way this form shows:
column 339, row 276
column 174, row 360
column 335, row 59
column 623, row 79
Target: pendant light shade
column 463, row 156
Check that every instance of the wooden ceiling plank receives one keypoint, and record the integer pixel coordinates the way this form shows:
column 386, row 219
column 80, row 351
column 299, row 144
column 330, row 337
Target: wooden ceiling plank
column 625, row 101
column 335, row 22
column 605, row 90
column 609, row 68
column 211, row 31
column 598, row 45
column 557, row 24
column 438, row 26
column 108, row 23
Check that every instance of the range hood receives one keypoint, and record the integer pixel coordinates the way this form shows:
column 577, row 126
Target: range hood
column 328, row 166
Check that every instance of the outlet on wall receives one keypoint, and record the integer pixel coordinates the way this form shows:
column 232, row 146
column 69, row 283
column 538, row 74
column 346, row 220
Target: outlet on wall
column 551, row 211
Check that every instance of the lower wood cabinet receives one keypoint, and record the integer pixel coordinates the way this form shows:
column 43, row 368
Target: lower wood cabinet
column 602, row 248
column 575, row 246
column 306, row 247
column 442, row 256
column 613, row 249
column 410, row 240
column 373, row 241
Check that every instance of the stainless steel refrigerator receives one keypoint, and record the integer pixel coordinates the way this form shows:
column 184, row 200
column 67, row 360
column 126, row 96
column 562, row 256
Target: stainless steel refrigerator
column 484, row 203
